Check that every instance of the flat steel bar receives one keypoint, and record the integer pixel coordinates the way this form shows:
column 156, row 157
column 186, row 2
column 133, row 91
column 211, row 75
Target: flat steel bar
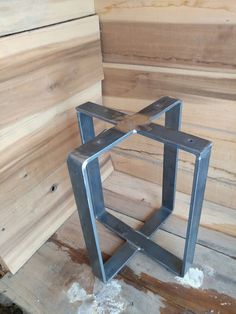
column 127, row 250
column 87, row 134
column 170, row 160
column 101, row 143
column 181, row 140
column 97, row 111
column 151, row 112
column 86, row 127
column 156, row 252
column 155, row 221
column 159, row 107
column 197, row 196
column 119, row 259
column 86, row 214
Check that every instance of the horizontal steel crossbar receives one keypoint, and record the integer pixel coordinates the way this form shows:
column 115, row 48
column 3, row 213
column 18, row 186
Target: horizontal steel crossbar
column 127, row 250
column 184, row 141
column 86, row 182
column 142, row 242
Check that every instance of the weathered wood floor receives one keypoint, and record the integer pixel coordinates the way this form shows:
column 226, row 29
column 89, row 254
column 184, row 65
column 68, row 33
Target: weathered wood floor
column 58, row 279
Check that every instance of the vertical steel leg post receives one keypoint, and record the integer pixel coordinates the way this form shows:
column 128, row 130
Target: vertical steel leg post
column 197, row 197
column 170, row 163
column 87, row 217
column 87, row 133
column 88, row 222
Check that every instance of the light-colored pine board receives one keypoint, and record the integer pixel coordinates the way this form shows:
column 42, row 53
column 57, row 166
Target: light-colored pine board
column 17, row 16
column 143, row 158
column 154, row 152
column 55, row 63
column 130, row 88
column 149, row 167
column 45, row 74
column 208, row 112
column 165, row 11
column 149, row 82
column 148, row 195
column 184, row 39
column 49, row 136
column 39, row 214
column 174, row 45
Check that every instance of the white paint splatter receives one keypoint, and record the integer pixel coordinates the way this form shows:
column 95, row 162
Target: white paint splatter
column 107, row 299
column 77, row 293
column 193, row 278
column 88, row 306
column 208, row 270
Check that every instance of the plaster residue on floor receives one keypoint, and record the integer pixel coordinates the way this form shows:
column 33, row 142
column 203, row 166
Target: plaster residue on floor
column 77, row 293
column 115, row 297
column 105, row 298
column 193, row 278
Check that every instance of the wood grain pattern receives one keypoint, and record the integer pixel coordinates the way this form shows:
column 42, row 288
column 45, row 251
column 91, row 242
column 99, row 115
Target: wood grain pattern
column 148, row 82
column 208, row 112
column 181, row 36
column 18, row 16
column 56, row 62
column 40, row 212
column 149, row 166
column 28, row 161
column 63, row 261
column 138, row 198
column 186, row 50
column 168, row 11
column 44, row 74
column 172, row 45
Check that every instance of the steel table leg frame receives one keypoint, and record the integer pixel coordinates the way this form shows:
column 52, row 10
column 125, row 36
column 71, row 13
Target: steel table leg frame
column 87, row 187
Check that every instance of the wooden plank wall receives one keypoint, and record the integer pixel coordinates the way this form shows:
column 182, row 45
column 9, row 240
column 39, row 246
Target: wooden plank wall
column 44, row 74
column 185, row 49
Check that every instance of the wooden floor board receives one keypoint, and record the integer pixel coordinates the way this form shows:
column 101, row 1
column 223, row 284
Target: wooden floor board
column 42, row 285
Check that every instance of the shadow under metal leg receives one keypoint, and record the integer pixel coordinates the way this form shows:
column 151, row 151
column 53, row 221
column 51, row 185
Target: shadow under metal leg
column 87, row 187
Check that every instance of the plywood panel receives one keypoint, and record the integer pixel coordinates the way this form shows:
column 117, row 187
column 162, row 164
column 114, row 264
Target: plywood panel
column 21, row 15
